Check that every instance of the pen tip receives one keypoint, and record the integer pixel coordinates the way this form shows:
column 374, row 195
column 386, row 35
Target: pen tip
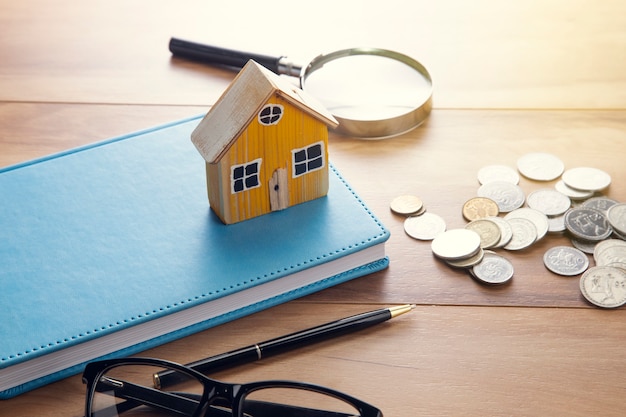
column 397, row 310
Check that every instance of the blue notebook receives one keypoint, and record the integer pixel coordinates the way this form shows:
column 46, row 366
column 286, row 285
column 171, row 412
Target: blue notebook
column 112, row 249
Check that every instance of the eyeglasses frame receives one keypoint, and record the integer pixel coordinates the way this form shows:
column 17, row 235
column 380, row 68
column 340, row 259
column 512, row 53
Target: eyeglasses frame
column 212, row 389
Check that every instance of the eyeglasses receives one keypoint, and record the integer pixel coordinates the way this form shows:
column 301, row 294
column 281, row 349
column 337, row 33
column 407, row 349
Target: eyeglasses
column 129, row 387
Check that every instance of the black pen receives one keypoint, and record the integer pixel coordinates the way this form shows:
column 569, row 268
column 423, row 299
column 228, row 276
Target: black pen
column 284, row 343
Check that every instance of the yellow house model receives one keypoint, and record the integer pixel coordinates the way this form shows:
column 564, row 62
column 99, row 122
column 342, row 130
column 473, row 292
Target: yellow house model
column 265, row 143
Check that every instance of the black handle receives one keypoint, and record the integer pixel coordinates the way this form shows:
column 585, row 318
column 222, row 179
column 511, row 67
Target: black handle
column 220, row 56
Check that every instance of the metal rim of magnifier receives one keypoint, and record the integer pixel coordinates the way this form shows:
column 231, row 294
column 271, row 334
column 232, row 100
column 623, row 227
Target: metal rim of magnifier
column 380, row 128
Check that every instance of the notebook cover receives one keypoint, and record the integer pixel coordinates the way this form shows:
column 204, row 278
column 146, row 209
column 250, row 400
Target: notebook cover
column 118, row 234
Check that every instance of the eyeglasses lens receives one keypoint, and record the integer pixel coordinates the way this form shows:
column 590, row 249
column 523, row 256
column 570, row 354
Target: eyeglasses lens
column 128, row 390
column 294, row 402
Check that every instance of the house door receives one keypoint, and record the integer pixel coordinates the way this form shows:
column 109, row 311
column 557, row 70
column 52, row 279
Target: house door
column 279, row 190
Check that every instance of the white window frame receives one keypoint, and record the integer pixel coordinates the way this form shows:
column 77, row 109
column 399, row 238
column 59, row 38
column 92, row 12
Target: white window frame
column 271, row 106
column 234, row 180
column 307, row 159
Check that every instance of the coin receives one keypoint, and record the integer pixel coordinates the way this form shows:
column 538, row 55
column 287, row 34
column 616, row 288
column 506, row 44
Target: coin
column 616, row 215
column 599, row 203
column 606, row 244
column 565, row 260
column 548, row 201
column 479, row 208
column 586, row 179
column 540, row 166
column 506, row 233
column 539, row 219
column 493, row 269
column 508, row 196
column 604, row 286
column 610, row 251
column 424, row 227
column 618, row 265
column 524, row 233
column 488, row 231
column 492, row 173
column 456, row 244
column 586, row 246
column 556, row 224
column 588, row 224
column 406, row 205
column 561, row 187
column 618, row 234
column 467, row 262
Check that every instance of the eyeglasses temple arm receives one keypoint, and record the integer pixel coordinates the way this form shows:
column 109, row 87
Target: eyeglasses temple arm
column 136, row 395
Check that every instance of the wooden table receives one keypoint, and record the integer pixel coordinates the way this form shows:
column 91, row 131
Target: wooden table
column 510, row 78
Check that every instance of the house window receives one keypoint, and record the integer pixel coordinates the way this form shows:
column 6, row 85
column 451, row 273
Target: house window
column 308, row 159
column 246, row 176
column 271, row 114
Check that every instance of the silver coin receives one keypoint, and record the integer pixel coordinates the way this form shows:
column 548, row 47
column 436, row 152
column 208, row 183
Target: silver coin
column 616, row 216
column 492, row 173
column 583, row 245
column 508, row 196
column 604, row 286
column 586, row 178
column 599, row 203
column 456, row 244
column 493, row 269
column 618, row 265
column 524, row 233
column 618, row 235
column 540, row 166
column 488, row 231
column 556, row 224
column 561, row 187
column 565, row 260
column 587, row 224
column 610, row 251
column 606, row 244
column 539, row 219
column 406, row 205
column 424, row 227
column 548, row 201
column 506, row 233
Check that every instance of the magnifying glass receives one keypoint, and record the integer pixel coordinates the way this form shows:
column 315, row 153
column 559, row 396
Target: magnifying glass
column 373, row 93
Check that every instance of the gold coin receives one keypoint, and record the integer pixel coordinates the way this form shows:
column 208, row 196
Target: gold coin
column 406, row 205
column 467, row 262
column 488, row 231
column 479, row 208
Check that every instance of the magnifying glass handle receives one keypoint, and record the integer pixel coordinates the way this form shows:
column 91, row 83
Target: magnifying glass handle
column 229, row 57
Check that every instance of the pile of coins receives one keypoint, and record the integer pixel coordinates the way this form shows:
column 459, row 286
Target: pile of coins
column 502, row 216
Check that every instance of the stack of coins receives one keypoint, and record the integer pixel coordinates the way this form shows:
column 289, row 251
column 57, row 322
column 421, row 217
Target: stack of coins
column 501, row 216
column 456, row 245
column 418, row 224
column 604, row 285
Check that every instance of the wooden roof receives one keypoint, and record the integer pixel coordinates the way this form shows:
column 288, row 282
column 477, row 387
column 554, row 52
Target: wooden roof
column 240, row 104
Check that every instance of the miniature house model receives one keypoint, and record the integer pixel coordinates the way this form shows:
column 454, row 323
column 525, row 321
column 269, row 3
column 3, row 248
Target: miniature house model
column 265, row 146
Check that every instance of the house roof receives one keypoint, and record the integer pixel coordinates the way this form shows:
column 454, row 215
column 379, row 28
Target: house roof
column 240, row 104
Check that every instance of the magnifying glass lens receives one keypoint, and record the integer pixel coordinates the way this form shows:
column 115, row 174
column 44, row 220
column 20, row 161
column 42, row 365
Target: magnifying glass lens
column 373, row 93
column 368, row 87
